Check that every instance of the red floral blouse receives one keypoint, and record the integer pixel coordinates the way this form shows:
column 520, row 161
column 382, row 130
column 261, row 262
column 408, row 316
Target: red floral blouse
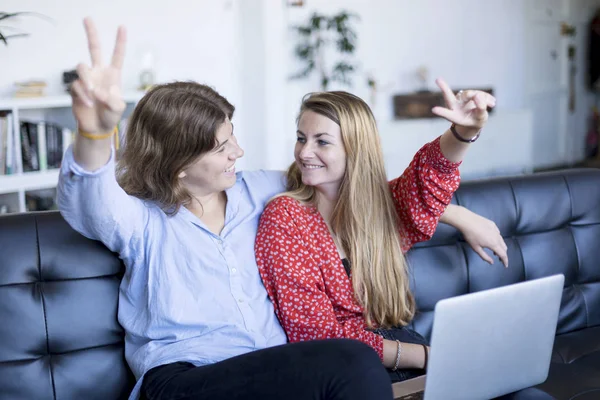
column 302, row 270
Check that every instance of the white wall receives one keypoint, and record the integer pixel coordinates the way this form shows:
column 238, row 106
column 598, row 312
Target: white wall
column 470, row 43
column 502, row 149
column 244, row 49
column 189, row 39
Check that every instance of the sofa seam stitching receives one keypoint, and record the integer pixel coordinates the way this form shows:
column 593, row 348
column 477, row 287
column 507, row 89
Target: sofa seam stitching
column 464, row 251
column 585, row 305
column 570, row 197
column 570, row 226
column 115, row 275
column 39, row 263
column 517, row 218
column 64, row 353
column 514, row 196
column 576, row 284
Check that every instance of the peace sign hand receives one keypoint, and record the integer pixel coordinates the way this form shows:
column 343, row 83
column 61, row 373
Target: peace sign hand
column 468, row 109
column 97, row 100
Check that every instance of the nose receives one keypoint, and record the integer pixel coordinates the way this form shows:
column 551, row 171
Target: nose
column 237, row 152
column 306, row 151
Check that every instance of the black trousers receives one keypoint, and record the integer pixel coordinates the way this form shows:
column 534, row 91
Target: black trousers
column 334, row 369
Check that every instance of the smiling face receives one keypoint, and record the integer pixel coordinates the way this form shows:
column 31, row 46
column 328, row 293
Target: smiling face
column 320, row 153
column 214, row 171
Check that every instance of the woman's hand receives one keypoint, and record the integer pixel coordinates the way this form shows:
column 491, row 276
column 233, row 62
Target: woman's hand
column 481, row 233
column 97, row 100
column 467, row 109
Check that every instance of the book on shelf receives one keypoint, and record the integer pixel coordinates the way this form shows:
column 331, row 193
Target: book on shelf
column 42, row 145
column 38, row 145
column 7, row 149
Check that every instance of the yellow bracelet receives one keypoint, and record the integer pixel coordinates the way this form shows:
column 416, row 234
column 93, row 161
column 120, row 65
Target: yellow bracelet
column 98, row 137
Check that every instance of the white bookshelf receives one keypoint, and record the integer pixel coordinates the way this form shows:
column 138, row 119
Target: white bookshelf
column 58, row 101
column 28, row 181
column 55, row 109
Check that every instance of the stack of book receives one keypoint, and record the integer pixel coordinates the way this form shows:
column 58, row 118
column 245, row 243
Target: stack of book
column 30, row 89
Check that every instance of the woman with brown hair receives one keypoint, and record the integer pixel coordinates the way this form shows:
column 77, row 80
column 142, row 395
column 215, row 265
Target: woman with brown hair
column 330, row 249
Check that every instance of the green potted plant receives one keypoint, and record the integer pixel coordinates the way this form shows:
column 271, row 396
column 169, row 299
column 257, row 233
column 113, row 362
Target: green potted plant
column 320, row 32
column 5, row 16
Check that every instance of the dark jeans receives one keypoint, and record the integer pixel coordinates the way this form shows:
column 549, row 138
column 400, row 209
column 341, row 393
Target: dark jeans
column 405, row 335
column 333, row 369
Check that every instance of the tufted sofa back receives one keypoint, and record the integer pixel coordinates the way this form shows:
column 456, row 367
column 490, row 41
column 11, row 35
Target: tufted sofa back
column 59, row 335
column 551, row 224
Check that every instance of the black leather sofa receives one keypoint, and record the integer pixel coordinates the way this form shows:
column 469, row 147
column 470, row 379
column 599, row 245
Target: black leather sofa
column 60, row 339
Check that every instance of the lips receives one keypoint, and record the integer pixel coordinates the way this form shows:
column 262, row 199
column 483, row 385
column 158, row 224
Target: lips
column 230, row 169
column 311, row 166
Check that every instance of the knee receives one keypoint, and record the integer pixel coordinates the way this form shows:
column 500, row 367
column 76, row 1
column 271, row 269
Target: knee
column 353, row 352
column 358, row 360
column 359, row 366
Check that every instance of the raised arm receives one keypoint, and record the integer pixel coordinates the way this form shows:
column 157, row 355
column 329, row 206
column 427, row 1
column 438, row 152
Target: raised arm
column 422, row 193
column 89, row 197
column 467, row 111
column 425, row 189
column 97, row 101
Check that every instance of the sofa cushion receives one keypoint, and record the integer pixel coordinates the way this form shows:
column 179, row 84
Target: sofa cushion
column 576, row 347
column 59, row 336
column 574, row 370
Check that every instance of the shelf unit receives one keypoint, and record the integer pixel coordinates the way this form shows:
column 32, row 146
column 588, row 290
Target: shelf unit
column 55, row 109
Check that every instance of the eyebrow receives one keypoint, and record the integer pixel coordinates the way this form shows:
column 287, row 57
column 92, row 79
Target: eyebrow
column 316, row 135
column 219, row 145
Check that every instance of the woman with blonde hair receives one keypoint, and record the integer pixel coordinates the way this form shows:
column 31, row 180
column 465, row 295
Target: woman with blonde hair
column 330, row 249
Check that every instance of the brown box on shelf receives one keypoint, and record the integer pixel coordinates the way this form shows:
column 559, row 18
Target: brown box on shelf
column 419, row 104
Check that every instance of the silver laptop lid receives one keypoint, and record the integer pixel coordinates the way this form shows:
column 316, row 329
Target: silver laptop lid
column 493, row 342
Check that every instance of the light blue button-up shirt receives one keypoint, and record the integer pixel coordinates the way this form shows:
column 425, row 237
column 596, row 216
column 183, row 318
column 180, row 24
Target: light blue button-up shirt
column 187, row 294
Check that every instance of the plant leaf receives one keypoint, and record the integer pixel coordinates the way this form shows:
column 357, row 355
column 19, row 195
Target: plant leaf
column 303, row 30
column 305, row 72
column 5, row 15
column 341, row 71
column 16, row 35
column 315, row 21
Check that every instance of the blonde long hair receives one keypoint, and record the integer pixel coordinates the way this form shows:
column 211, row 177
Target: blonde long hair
column 364, row 218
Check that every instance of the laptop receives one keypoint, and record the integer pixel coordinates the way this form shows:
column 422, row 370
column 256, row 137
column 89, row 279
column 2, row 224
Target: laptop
column 489, row 343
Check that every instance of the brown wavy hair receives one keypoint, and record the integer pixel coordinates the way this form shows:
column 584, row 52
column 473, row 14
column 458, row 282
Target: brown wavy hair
column 170, row 127
column 364, row 218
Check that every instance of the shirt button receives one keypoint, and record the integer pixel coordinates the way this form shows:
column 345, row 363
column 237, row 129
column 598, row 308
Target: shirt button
column 240, row 300
column 233, row 270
